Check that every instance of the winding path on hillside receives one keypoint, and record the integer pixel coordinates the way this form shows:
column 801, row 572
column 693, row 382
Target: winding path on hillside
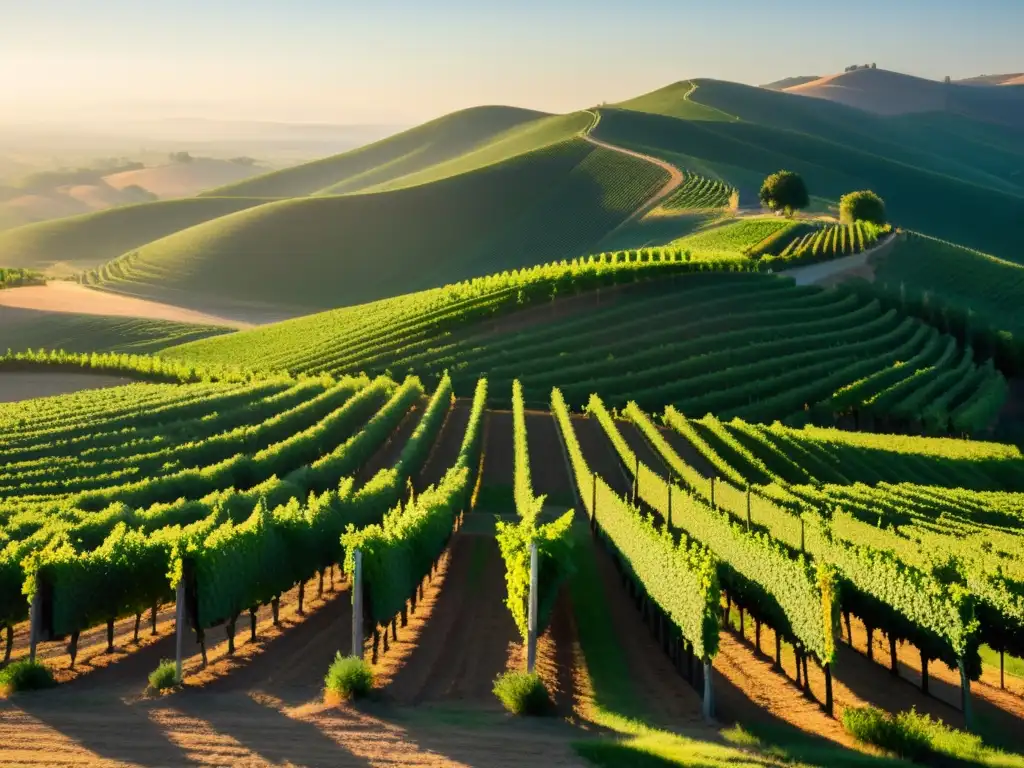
column 675, row 179
column 835, row 270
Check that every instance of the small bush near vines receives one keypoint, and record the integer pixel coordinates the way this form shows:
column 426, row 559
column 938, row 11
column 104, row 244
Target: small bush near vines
column 349, row 677
column 164, row 676
column 24, row 676
column 522, row 693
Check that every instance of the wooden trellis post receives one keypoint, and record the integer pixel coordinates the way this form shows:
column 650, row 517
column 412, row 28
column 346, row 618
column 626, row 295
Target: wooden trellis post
column 357, row 605
column 531, row 618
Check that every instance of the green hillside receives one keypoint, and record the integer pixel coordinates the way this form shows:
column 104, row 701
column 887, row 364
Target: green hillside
column 952, row 194
column 975, row 296
column 993, row 289
column 421, row 168
column 444, row 139
column 731, row 343
column 86, row 241
column 328, row 251
column 22, row 329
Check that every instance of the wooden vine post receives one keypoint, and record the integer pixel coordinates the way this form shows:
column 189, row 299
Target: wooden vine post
column 357, row 605
column 531, row 617
column 593, row 502
column 829, row 707
column 712, row 491
column 34, row 618
column 668, row 482
column 965, row 695
column 709, row 694
column 179, row 627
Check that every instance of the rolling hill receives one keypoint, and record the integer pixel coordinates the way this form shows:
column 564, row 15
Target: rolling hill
column 741, row 134
column 319, row 252
column 789, row 82
column 86, row 241
column 438, row 141
column 22, row 329
column 494, row 188
column 893, row 93
column 185, row 179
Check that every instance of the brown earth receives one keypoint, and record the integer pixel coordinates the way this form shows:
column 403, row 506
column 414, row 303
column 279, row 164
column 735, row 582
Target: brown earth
column 499, row 450
column 387, row 455
column 446, row 448
column 549, row 471
column 67, row 297
column 25, row 385
column 600, row 454
column 688, row 453
column 185, row 179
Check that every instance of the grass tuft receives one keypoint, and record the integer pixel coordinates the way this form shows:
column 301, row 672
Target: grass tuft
column 906, row 734
column 25, row 676
column 165, row 676
column 349, row 677
column 522, row 693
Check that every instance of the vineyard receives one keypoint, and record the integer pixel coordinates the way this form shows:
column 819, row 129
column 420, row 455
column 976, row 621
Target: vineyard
column 680, row 504
column 254, row 492
column 741, row 344
column 697, row 193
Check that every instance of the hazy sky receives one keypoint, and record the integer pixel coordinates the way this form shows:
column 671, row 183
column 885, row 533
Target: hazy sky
column 396, row 61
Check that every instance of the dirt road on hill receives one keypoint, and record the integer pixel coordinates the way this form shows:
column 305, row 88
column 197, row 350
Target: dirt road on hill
column 675, row 176
column 67, row 297
column 836, row 270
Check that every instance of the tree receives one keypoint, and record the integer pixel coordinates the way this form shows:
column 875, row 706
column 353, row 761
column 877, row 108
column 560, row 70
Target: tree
column 784, row 191
column 180, row 157
column 873, row 65
column 864, row 205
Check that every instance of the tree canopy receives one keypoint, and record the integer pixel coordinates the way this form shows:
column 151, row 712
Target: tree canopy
column 864, row 205
column 784, row 191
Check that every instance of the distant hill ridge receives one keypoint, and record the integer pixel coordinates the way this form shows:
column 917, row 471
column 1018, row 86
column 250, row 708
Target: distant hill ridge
column 893, row 93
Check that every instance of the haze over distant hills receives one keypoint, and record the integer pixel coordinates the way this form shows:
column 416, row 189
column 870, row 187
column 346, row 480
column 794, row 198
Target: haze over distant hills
column 492, row 188
column 892, row 93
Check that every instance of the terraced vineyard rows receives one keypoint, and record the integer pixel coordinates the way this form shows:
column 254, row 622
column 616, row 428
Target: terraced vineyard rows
column 697, row 193
column 951, row 528
column 746, row 345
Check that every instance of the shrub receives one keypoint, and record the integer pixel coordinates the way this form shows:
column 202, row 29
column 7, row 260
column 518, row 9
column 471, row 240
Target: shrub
column 349, row 677
column 862, row 206
column 164, row 676
column 785, row 191
column 907, row 734
column 522, row 693
column 25, row 676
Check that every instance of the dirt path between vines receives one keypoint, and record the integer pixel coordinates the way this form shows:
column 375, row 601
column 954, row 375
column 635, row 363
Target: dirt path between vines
column 66, row 297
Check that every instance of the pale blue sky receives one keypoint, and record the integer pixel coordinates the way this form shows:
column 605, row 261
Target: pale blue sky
column 397, row 61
